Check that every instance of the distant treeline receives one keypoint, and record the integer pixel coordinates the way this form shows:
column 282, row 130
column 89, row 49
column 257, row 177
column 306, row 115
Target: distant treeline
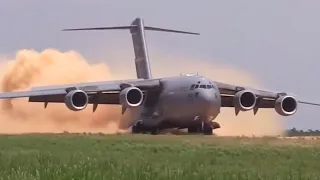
column 296, row 132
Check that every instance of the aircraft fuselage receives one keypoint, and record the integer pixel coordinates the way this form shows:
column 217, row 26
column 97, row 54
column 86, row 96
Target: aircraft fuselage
column 182, row 99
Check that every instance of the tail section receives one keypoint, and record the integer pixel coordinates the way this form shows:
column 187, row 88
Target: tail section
column 142, row 63
column 137, row 30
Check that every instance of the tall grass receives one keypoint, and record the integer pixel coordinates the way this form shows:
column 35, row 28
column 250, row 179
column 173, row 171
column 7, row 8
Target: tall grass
column 54, row 157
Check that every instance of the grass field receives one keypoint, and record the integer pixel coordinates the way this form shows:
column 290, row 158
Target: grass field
column 70, row 156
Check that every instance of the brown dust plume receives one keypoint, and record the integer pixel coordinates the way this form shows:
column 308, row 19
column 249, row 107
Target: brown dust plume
column 48, row 67
column 31, row 68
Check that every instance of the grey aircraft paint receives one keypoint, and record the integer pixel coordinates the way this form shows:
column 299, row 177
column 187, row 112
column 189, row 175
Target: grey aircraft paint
column 140, row 50
column 186, row 101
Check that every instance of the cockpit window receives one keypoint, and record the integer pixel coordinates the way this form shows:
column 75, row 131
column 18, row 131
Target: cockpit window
column 203, row 86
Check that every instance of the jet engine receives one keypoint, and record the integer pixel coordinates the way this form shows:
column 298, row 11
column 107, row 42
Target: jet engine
column 286, row 105
column 76, row 100
column 131, row 97
column 244, row 100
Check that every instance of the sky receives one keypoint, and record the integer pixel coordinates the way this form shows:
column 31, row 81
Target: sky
column 276, row 41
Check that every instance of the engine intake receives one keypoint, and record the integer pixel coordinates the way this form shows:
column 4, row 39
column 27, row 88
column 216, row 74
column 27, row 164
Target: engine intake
column 76, row 100
column 131, row 97
column 244, row 100
column 286, row 105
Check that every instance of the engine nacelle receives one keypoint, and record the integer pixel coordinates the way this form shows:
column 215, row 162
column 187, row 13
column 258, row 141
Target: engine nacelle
column 286, row 105
column 131, row 97
column 76, row 100
column 244, row 100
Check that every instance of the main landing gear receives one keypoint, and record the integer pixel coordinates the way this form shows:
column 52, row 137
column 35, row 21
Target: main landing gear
column 138, row 128
column 203, row 127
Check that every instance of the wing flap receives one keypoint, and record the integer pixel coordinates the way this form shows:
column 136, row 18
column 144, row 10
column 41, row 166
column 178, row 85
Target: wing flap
column 57, row 98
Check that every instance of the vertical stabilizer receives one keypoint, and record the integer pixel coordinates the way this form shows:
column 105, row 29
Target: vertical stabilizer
column 137, row 30
column 140, row 50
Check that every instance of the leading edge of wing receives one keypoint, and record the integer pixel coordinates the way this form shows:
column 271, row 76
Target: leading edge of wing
column 230, row 89
column 104, row 85
column 101, row 86
column 21, row 94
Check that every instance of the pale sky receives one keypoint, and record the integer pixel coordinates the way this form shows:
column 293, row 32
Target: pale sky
column 277, row 41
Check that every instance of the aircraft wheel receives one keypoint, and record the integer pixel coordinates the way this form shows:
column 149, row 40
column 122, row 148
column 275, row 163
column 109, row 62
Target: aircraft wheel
column 195, row 128
column 136, row 130
column 207, row 129
column 154, row 131
column 192, row 130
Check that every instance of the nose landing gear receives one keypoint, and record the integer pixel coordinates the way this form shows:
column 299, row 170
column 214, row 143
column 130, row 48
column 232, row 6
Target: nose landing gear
column 205, row 127
column 208, row 127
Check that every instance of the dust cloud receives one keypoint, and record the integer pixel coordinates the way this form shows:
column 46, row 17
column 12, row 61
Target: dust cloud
column 30, row 68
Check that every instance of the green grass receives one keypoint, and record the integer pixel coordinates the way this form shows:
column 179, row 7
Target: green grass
column 67, row 156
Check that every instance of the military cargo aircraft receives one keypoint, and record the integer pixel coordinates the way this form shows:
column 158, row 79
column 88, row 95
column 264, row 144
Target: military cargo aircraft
column 186, row 101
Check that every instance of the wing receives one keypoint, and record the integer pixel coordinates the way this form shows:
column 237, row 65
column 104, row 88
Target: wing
column 102, row 92
column 283, row 103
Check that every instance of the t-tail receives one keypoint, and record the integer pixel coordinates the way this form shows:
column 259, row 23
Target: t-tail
column 137, row 30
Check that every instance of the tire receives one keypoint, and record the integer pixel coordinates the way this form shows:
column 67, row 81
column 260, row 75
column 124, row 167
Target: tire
column 154, row 131
column 195, row 128
column 136, row 130
column 207, row 129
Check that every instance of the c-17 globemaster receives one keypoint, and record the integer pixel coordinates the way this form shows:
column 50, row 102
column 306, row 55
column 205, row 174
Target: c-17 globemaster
column 186, row 101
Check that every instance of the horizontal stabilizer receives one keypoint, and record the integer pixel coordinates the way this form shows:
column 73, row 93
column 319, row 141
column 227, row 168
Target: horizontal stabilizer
column 132, row 27
column 168, row 30
column 100, row 28
column 137, row 30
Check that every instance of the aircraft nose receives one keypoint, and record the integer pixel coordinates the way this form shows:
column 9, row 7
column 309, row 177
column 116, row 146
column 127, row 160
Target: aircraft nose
column 210, row 101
